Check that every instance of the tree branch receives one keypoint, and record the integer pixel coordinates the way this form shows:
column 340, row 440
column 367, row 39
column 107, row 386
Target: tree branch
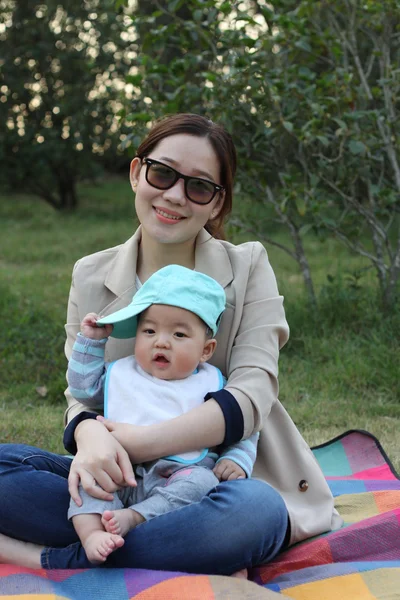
column 369, row 217
column 298, row 245
column 261, row 236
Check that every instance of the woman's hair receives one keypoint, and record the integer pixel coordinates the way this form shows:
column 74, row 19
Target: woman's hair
column 220, row 140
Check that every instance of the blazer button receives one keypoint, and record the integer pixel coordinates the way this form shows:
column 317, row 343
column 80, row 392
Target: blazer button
column 303, row 485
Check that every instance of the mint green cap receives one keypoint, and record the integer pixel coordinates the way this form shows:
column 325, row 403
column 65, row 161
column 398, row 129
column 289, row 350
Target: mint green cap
column 174, row 286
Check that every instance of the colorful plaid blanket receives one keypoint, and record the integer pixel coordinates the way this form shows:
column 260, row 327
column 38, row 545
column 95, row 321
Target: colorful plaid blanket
column 361, row 561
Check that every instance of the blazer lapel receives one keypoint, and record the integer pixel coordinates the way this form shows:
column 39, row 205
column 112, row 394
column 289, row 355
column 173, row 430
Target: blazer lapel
column 212, row 259
column 121, row 277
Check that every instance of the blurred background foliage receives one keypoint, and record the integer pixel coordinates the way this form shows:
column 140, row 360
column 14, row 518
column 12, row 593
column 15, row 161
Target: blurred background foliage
column 309, row 89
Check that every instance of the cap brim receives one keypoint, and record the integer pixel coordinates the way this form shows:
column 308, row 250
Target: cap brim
column 124, row 321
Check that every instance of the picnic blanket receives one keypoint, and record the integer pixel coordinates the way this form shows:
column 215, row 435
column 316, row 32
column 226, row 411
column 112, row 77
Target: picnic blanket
column 361, row 561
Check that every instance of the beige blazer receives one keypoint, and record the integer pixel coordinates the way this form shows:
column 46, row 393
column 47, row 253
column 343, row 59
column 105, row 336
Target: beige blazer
column 251, row 333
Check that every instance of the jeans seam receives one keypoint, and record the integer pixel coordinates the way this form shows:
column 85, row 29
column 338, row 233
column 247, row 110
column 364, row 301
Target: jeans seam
column 49, row 458
column 44, row 558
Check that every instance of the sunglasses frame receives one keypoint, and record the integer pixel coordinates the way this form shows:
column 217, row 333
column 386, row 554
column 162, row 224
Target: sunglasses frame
column 186, row 178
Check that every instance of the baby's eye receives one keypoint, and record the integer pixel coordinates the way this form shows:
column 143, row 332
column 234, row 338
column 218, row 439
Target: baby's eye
column 179, row 334
column 148, row 331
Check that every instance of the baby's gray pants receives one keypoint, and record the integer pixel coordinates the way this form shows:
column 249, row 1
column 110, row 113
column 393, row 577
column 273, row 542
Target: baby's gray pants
column 162, row 486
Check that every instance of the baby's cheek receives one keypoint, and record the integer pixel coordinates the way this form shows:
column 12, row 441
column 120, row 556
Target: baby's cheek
column 186, row 361
column 142, row 356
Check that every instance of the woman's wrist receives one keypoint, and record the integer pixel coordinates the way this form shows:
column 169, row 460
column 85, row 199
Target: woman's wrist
column 81, row 430
column 69, row 439
column 232, row 413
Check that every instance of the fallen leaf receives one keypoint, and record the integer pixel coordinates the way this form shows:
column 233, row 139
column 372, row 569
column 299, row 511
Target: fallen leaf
column 42, row 391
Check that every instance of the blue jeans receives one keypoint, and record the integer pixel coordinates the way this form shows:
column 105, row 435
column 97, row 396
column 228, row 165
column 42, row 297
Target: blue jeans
column 238, row 524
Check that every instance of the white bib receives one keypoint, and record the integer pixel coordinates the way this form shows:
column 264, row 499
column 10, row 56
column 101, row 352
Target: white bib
column 133, row 396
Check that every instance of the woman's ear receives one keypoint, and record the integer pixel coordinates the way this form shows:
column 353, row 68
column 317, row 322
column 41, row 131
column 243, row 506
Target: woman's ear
column 217, row 208
column 209, row 349
column 134, row 172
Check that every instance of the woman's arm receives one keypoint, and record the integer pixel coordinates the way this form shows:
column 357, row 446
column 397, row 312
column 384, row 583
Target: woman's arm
column 202, row 427
column 261, row 333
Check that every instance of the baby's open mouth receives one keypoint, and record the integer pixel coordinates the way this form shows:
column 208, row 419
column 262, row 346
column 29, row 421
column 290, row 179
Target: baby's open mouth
column 160, row 358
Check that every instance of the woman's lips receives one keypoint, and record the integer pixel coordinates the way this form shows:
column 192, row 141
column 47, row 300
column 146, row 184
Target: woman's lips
column 167, row 216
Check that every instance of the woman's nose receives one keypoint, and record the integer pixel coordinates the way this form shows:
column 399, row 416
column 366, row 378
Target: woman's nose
column 176, row 193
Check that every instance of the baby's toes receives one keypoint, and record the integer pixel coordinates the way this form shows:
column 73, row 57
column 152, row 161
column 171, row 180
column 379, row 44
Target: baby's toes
column 118, row 541
column 116, row 526
column 106, row 548
column 112, row 526
column 99, row 555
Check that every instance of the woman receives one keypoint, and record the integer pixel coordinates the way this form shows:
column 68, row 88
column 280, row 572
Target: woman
column 182, row 177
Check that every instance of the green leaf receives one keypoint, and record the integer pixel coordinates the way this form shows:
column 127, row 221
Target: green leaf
column 139, row 116
column 340, row 122
column 303, row 45
column 134, row 79
column 288, row 126
column 314, row 180
column 225, row 8
column 174, row 5
column 305, row 228
column 301, row 206
column 356, row 147
column 324, row 140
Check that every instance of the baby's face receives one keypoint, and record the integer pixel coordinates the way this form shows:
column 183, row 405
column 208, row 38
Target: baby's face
column 170, row 341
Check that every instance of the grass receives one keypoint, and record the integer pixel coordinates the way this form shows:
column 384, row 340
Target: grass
column 339, row 370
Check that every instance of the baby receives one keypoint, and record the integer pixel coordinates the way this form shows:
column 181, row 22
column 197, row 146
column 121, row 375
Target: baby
column 174, row 316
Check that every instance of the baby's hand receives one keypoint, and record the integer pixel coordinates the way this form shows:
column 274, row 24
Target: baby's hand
column 227, row 470
column 90, row 330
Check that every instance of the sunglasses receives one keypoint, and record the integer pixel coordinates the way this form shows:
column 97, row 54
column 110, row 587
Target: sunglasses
column 163, row 177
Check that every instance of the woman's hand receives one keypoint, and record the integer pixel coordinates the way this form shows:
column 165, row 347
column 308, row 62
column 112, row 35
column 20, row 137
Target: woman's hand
column 124, row 433
column 101, row 465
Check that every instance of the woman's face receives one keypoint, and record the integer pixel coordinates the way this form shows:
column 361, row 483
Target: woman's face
column 167, row 216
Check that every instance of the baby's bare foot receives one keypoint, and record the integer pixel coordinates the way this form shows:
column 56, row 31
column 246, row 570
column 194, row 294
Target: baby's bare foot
column 119, row 522
column 99, row 544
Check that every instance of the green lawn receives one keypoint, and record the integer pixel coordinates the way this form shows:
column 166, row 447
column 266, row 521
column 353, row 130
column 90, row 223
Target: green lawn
column 339, row 370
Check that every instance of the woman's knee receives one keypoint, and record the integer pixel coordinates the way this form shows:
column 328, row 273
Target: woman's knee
column 263, row 497
column 21, row 456
column 12, row 454
column 254, row 502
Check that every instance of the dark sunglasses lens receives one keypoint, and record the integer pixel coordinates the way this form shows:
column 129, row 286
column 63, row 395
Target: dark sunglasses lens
column 200, row 191
column 161, row 176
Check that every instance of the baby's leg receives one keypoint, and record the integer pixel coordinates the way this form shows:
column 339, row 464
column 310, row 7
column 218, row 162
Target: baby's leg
column 98, row 543
column 187, row 485
column 119, row 522
column 86, row 519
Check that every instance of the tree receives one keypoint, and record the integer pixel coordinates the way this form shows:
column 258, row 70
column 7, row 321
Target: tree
column 310, row 91
column 62, row 69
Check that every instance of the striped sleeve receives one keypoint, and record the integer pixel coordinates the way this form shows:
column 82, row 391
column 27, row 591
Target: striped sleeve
column 87, row 370
column 243, row 453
